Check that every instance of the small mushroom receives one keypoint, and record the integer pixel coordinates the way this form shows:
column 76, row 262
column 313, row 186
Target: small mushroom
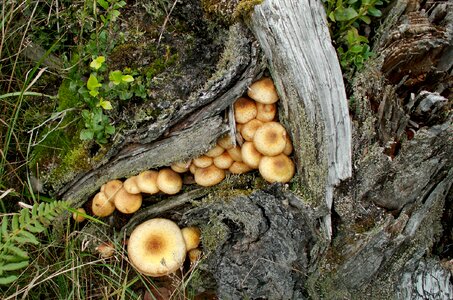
column 225, row 142
column 250, row 155
column 249, row 129
column 131, row 186
column 77, row 216
column 235, row 153
column 209, row 176
column 194, row 255
column 263, row 91
column 270, row 139
column 147, row 182
column 288, row 146
column 244, row 110
column 202, row 161
column 279, row 168
column 266, row 112
column 168, row 181
column 111, row 188
column 191, row 237
column 216, row 151
column 156, row 247
column 127, row 203
column 239, row 168
column 102, row 206
column 106, row 249
column 180, row 167
column 223, row 161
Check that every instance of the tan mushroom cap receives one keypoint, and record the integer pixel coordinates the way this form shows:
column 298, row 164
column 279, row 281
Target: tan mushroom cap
column 270, row 139
column 249, row 129
column 266, row 112
column 181, row 166
column 194, row 255
column 239, row 168
column 111, row 188
column 193, row 168
column 250, row 155
column 209, row 176
column 169, row 182
column 156, row 247
column 223, row 161
column 214, row 152
column 244, row 110
column 191, row 237
column 288, row 146
column 130, row 185
column 202, row 161
column 77, row 216
column 225, row 142
column 102, row 206
column 263, row 91
column 127, row 203
column 279, row 168
column 235, row 153
column 147, row 182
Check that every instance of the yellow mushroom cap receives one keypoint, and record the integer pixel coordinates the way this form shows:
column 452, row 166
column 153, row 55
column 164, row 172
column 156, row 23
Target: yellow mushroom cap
column 111, row 188
column 266, row 112
column 209, row 176
column 249, row 129
column 244, row 110
column 223, row 161
column 168, row 181
column 239, row 168
column 147, row 182
column 193, row 168
column 235, row 153
column 77, row 216
column 214, row 152
column 191, row 237
column 194, row 255
column 250, row 155
column 156, row 247
column 225, row 142
column 202, row 161
column 102, row 206
column 270, row 139
column 279, row 168
column 130, row 185
column 263, row 91
column 127, row 203
column 288, row 146
column 180, row 167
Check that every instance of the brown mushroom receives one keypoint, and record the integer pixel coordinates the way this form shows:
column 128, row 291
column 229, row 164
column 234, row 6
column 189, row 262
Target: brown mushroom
column 279, row 168
column 130, row 185
column 168, row 181
column 209, row 176
column 102, row 206
column 270, row 139
column 127, row 203
column 111, row 188
column 223, row 161
column 266, row 112
column 147, row 182
column 202, row 161
column 216, row 151
column 78, row 215
column 250, row 155
column 191, row 237
column 263, row 91
column 244, row 110
column 239, row 168
column 249, row 129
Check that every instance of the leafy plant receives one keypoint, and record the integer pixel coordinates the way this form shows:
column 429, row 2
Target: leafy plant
column 19, row 230
column 346, row 19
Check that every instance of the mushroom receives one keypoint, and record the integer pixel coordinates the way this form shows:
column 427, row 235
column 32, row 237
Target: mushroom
column 131, row 186
column 209, row 176
column 127, row 203
column 147, row 182
column 202, row 161
column 102, row 206
column 156, row 247
column 106, row 249
column 235, row 153
column 111, row 188
column 194, row 255
column 265, row 112
column 77, row 215
column 239, row 168
column 244, row 110
column 263, row 91
column 191, row 237
column 180, row 167
column 168, row 181
column 225, row 142
column 249, row 129
column 193, row 168
column 250, row 155
column 216, row 151
column 270, row 139
column 223, row 161
column 288, row 146
column 279, row 168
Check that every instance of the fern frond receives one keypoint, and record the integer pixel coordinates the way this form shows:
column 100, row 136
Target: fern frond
column 18, row 231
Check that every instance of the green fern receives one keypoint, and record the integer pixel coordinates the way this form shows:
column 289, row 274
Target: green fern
column 19, row 230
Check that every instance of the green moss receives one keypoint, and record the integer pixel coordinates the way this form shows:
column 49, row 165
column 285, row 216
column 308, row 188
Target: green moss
column 76, row 159
column 228, row 12
column 67, row 98
column 213, row 234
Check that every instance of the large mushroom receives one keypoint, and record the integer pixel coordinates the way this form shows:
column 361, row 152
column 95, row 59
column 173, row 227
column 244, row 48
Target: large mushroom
column 157, row 247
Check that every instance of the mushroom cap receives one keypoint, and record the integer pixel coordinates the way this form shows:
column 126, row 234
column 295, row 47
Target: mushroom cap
column 147, row 182
column 249, row 129
column 202, row 161
column 194, row 255
column 193, row 168
column 266, row 112
column 223, row 161
column 239, row 168
column 279, row 168
column 214, row 152
column 156, row 247
column 209, row 176
column 235, row 153
column 244, row 110
column 250, row 155
column 225, row 142
column 191, row 237
column 288, row 146
column 131, row 186
column 168, row 181
column 270, row 138
column 77, row 216
column 102, row 206
column 111, row 188
column 127, row 203
column 181, row 166
column 263, row 91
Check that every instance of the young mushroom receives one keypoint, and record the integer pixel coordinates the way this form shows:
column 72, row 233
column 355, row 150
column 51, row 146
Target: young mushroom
column 156, row 247
column 111, row 188
column 147, row 182
column 168, row 181
column 131, row 186
column 244, row 110
column 250, row 155
column 270, row 139
column 279, row 168
column 191, row 237
column 127, row 203
column 209, row 176
column 102, row 206
column 263, row 91
column 77, row 215
column 266, row 112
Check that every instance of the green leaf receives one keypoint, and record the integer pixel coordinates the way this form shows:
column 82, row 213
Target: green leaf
column 365, row 19
column 115, row 77
column 5, row 227
column 345, row 14
column 332, row 16
column 94, row 93
column 127, row 78
column 8, row 279
column 356, row 49
column 17, row 251
column 97, row 62
column 86, row 134
column 14, row 266
column 29, row 236
column 352, row 1
column 114, row 15
column 373, row 11
column 105, row 104
column 15, row 223
column 109, row 129
column 103, row 3
column 93, row 83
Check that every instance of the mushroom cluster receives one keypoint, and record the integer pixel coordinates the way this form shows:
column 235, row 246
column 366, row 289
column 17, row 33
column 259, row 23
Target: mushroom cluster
column 159, row 247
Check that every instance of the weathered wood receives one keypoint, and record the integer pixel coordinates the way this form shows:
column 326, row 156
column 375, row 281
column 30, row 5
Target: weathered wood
column 304, row 65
